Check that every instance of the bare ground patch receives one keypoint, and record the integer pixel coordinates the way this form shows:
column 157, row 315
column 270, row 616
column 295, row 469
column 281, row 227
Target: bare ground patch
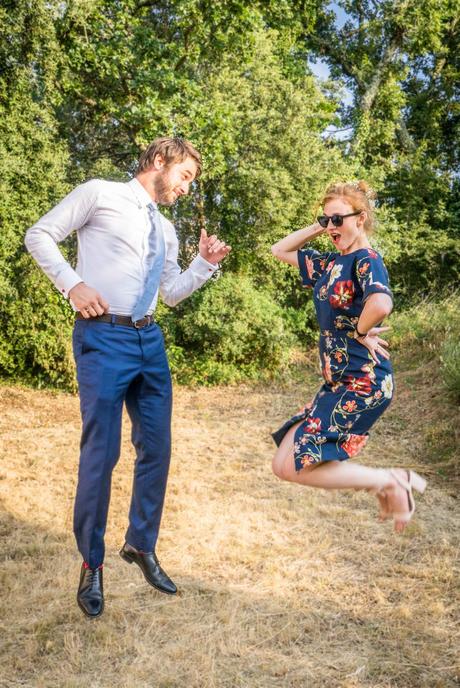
column 280, row 586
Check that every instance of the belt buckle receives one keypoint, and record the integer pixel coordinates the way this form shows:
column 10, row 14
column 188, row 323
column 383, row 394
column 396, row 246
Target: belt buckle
column 143, row 322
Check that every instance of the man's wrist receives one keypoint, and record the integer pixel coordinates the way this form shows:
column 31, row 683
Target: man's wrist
column 72, row 288
column 205, row 265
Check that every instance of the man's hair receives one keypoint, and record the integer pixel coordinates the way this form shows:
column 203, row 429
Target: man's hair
column 172, row 150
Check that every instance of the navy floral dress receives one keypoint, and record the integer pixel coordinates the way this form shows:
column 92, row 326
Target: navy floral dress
column 356, row 390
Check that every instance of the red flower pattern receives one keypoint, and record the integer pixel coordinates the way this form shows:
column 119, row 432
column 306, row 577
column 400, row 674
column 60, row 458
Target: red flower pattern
column 354, row 443
column 343, row 294
column 310, row 267
column 308, row 460
column 350, row 405
column 313, row 425
column 359, row 385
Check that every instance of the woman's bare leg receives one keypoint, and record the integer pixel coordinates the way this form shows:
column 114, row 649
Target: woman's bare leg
column 341, row 475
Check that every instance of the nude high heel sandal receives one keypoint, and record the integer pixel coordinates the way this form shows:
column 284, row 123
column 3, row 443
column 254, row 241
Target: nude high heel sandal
column 382, row 497
column 414, row 482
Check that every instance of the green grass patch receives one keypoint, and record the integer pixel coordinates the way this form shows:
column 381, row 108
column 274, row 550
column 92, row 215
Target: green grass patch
column 430, row 330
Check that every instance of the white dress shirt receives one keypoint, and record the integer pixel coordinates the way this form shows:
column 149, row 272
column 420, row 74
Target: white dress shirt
column 112, row 224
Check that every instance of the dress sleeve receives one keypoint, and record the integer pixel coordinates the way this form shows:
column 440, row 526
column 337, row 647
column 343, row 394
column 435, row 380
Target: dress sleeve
column 312, row 265
column 372, row 275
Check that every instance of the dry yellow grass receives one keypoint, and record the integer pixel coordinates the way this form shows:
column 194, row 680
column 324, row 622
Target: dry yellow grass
column 280, row 586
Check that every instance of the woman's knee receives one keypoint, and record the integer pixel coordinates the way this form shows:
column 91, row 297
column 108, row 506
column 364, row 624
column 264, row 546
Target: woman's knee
column 277, row 467
column 280, row 468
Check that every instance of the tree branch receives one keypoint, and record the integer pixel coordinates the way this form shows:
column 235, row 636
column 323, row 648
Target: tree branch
column 371, row 91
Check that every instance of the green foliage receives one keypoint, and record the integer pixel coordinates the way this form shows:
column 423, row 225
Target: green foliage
column 301, row 321
column 85, row 85
column 428, row 263
column 34, row 343
column 400, row 60
column 426, row 351
column 450, row 363
column 430, row 330
column 426, row 323
column 38, row 333
column 227, row 332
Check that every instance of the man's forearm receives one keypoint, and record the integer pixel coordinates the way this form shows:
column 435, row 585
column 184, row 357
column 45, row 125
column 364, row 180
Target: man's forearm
column 177, row 286
column 45, row 251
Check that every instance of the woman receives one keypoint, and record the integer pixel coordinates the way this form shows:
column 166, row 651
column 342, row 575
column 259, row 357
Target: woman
column 352, row 297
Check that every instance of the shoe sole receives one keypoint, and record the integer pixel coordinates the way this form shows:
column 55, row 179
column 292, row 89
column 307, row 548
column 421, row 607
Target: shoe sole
column 126, row 557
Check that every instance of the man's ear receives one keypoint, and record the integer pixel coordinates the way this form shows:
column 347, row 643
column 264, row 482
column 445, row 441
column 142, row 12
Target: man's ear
column 158, row 162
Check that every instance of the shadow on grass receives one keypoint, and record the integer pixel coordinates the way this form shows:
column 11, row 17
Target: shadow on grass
column 214, row 633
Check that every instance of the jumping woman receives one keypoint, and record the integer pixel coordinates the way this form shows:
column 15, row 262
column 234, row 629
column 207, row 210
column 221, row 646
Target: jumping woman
column 352, row 297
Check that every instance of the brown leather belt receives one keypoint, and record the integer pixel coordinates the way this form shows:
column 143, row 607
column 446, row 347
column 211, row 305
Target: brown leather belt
column 119, row 320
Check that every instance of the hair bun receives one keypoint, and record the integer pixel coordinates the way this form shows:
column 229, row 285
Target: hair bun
column 365, row 189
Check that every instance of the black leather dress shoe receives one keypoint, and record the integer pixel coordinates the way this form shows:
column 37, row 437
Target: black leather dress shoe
column 150, row 567
column 90, row 596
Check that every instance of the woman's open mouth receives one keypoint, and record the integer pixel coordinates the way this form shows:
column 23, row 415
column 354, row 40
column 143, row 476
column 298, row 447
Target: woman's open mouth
column 335, row 236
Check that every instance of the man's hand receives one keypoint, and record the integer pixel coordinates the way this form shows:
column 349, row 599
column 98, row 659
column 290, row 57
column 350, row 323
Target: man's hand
column 212, row 249
column 88, row 301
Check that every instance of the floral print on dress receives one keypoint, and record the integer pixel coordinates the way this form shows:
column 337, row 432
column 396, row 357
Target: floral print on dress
column 354, row 443
column 343, row 294
column 356, row 390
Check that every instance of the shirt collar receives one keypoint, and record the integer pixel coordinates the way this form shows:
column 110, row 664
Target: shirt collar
column 143, row 198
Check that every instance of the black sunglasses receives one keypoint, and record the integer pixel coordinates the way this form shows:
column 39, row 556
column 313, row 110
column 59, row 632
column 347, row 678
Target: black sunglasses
column 337, row 220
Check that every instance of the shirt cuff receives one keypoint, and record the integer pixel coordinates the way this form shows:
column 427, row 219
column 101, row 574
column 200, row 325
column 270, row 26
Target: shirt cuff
column 200, row 266
column 66, row 280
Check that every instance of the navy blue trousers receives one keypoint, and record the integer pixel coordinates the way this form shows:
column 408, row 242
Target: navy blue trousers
column 116, row 365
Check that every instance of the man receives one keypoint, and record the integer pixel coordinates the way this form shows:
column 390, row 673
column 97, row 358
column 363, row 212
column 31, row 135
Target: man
column 127, row 253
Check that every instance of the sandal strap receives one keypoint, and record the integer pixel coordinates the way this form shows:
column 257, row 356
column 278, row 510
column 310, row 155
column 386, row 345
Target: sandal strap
column 407, row 486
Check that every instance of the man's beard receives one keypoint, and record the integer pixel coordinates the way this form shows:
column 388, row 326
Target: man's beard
column 163, row 188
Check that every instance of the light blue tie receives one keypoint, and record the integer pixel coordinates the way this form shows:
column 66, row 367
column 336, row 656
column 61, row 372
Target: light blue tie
column 155, row 263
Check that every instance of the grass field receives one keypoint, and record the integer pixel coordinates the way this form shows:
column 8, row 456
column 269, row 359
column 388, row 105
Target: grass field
column 280, row 586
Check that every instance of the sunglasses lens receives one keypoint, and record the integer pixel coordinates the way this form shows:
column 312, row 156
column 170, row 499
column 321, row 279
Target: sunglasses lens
column 323, row 220
column 337, row 220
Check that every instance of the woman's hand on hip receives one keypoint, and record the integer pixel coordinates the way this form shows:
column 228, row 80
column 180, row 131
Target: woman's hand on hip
column 374, row 344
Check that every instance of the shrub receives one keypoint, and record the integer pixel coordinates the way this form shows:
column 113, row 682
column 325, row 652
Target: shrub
column 450, row 363
column 301, row 321
column 431, row 329
column 38, row 325
column 426, row 323
column 227, row 332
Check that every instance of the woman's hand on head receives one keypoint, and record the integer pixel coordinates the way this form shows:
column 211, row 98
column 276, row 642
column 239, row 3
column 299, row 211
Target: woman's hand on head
column 286, row 249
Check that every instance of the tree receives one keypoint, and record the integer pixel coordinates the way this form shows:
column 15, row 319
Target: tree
column 401, row 62
column 34, row 324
